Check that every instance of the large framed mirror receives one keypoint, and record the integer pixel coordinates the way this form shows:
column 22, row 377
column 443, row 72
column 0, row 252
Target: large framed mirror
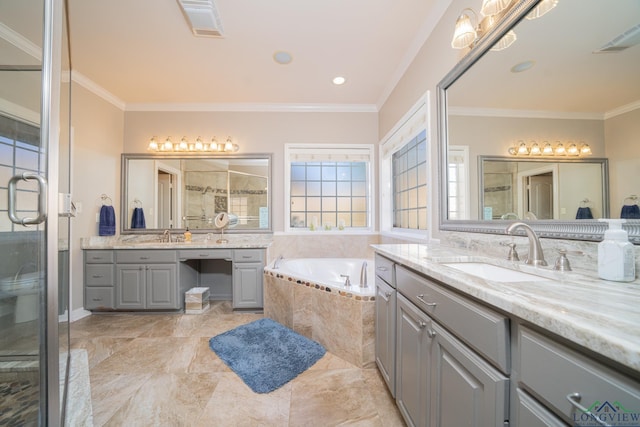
column 187, row 191
column 570, row 79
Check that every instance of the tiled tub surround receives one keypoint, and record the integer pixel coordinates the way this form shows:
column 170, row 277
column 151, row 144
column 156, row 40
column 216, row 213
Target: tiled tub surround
column 342, row 320
column 599, row 315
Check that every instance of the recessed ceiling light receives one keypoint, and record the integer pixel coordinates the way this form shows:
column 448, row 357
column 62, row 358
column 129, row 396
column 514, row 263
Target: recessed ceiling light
column 523, row 66
column 339, row 80
column 282, row 57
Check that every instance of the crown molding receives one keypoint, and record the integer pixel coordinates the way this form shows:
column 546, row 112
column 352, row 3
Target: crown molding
column 621, row 110
column 256, row 107
column 91, row 86
column 526, row 114
column 19, row 41
column 19, row 112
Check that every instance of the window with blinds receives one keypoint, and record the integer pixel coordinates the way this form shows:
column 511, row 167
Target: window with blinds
column 329, row 187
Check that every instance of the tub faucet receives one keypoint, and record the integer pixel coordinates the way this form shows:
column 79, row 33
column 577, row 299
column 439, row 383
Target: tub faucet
column 535, row 255
column 276, row 263
column 363, row 275
column 346, row 279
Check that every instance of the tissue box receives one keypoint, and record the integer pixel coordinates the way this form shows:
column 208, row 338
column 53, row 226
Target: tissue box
column 196, row 300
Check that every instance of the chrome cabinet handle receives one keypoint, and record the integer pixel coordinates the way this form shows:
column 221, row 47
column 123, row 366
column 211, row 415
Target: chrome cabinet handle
column 574, row 399
column 42, row 199
column 429, row 304
column 431, row 333
column 97, row 276
column 387, row 294
column 422, row 324
column 382, row 268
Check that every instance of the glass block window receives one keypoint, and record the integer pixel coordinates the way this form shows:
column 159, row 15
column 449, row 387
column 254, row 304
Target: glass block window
column 409, row 174
column 329, row 188
column 239, row 206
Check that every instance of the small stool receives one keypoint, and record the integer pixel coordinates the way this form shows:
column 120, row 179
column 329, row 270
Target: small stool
column 196, row 300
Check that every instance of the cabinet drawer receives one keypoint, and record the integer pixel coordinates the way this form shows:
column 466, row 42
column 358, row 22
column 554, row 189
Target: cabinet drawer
column 98, row 257
column 553, row 372
column 99, row 275
column 481, row 328
column 205, row 254
column 145, row 256
column 385, row 270
column 99, row 298
column 248, row 255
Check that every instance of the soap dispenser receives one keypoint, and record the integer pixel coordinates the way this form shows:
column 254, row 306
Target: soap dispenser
column 616, row 258
column 187, row 235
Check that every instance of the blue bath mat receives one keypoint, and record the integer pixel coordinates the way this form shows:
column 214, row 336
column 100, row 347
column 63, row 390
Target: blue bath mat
column 265, row 354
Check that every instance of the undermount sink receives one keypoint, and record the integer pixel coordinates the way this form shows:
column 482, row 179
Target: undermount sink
column 494, row 273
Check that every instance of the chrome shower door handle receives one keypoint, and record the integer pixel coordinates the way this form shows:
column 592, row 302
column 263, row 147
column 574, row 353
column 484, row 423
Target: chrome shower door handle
column 42, row 198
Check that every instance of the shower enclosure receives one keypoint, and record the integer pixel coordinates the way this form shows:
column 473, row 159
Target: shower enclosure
column 34, row 222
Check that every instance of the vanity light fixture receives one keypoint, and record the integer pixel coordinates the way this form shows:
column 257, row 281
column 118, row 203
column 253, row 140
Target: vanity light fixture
column 522, row 149
column 184, row 146
column 542, row 8
column 467, row 32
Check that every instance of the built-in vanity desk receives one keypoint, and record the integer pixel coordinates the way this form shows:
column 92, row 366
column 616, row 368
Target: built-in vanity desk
column 133, row 275
column 552, row 349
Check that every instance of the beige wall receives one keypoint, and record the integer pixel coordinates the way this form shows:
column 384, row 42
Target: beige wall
column 255, row 132
column 97, row 143
column 623, row 150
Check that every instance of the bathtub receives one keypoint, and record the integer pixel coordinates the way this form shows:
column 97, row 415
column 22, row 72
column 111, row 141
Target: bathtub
column 326, row 273
column 309, row 296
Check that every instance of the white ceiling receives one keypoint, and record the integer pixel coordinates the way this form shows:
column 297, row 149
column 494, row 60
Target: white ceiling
column 143, row 52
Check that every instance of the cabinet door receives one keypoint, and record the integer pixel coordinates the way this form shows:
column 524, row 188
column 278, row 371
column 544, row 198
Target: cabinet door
column 386, row 333
column 465, row 389
column 247, row 285
column 529, row 413
column 412, row 362
column 161, row 286
column 130, row 286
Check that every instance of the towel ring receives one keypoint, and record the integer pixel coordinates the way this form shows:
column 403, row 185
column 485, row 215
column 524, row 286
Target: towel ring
column 584, row 203
column 137, row 203
column 632, row 198
column 106, row 200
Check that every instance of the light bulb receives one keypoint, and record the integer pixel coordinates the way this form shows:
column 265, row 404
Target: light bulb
column 153, row 144
column 535, row 149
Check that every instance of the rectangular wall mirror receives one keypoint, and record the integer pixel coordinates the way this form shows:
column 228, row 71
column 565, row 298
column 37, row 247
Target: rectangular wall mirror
column 571, row 78
column 177, row 192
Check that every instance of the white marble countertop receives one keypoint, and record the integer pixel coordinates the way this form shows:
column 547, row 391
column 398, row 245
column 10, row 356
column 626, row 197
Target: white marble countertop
column 235, row 241
column 600, row 315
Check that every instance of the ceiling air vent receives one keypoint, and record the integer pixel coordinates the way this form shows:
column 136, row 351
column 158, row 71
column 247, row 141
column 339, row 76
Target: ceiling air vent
column 629, row 38
column 202, row 16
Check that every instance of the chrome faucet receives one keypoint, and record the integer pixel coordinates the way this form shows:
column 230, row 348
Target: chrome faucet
column 346, row 279
column 276, row 263
column 166, row 236
column 363, row 275
column 535, row 255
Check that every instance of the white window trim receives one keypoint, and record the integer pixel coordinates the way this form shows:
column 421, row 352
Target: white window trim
column 321, row 152
column 463, row 151
column 408, row 127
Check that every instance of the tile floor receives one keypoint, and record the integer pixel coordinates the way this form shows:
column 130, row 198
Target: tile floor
column 158, row 370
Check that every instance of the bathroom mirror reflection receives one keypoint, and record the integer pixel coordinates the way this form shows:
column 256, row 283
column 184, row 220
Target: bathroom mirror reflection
column 165, row 192
column 547, row 87
column 533, row 189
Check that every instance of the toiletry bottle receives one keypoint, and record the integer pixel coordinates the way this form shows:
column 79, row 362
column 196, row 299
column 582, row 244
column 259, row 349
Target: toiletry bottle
column 616, row 258
column 187, row 235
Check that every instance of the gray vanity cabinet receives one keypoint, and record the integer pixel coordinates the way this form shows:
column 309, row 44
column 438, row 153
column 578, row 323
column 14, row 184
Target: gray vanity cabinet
column 152, row 285
column 412, row 362
column 248, row 266
column 99, row 273
column 385, row 319
column 441, row 380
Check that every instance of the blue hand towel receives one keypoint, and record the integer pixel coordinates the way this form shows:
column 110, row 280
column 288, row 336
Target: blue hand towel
column 107, row 225
column 630, row 212
column 137, row 218
column 584, row 213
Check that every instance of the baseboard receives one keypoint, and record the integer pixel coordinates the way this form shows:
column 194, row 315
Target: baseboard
column 79, row 313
